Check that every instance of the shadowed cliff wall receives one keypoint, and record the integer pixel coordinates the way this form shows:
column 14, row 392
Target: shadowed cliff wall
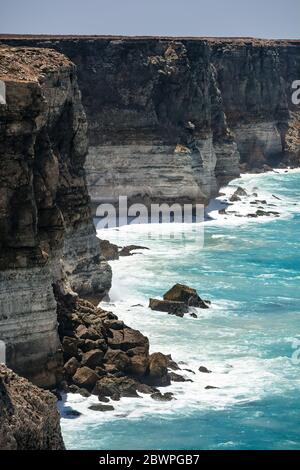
column 170, row 119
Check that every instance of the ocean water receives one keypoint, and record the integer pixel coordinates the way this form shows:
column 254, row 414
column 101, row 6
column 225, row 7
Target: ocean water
column 249, row 338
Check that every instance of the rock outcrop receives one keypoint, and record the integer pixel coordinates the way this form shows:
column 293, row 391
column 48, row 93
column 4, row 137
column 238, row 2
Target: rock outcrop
column 104, row 356
column 170, row 119
column 177, row 301
column 29, row 419
column 46, row 232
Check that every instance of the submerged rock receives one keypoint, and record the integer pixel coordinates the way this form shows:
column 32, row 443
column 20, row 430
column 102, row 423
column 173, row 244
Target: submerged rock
column 158, row 396
column 99, row 407
column 204, row 370
column 193, row 315
column 178, row 378
column 237, row 194
column 70, row 412
column 127, row 250
column 261, row 213
column 170, row 306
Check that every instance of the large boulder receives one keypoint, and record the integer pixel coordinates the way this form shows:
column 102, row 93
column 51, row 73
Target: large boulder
column 93, row 358
column 70, row 347
column 157, row 372
column 106, row 387
column 85, row 377
column 170, row 306
column 118, row 358
column 71, row 366
column 83, row 332
column 116, row 387
column 127, row 339
column 138, row 365
column 185, row 294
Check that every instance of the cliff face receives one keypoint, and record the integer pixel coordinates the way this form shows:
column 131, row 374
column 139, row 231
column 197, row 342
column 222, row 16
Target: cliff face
column 171, row 119
column 29, row 419
column 255, row 80
column 46, row 232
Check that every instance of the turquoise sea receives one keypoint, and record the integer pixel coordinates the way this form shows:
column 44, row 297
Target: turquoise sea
column 249, row 338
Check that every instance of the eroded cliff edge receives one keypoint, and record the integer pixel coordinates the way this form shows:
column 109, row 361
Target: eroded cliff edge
column 171, row 119
column 47, row 237
column 29, row 418
column 50, row 259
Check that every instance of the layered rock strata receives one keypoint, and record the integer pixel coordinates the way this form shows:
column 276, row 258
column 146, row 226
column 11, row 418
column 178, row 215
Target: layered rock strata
column 46, row 233
column 170, row 119
column 49, row 250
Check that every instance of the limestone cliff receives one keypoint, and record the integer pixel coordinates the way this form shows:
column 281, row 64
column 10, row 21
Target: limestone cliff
column 170, row 119
column 46, row 231
column 29, row 419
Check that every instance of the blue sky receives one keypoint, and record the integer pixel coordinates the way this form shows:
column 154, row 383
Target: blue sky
column 259, row 18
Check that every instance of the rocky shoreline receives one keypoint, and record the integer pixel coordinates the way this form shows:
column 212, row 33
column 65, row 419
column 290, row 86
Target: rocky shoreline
column 50, row 258
column 53, row 269
column 104, row 357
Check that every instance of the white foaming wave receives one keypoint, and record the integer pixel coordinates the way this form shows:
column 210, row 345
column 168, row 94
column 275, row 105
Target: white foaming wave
column 241, row 381
column 285, row 206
